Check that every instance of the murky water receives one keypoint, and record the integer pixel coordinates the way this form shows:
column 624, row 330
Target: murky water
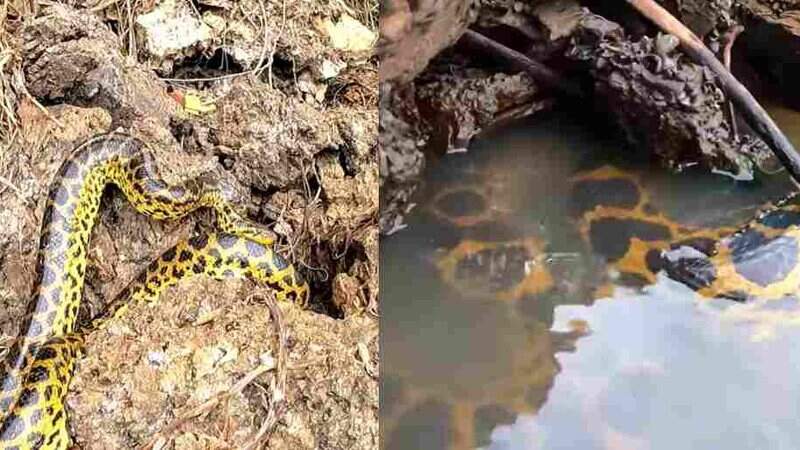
column 504, row 328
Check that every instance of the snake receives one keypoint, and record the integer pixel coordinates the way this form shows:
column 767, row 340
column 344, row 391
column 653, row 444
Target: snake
column 38, row 367
column 615, row 218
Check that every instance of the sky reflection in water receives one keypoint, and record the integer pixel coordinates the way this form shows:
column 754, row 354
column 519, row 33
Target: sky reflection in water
column 662, row 370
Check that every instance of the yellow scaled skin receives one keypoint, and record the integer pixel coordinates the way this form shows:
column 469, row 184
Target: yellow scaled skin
column 35, row 375
column 641, row 251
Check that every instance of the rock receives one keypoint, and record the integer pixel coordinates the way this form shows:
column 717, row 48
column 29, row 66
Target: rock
column 210, row 358
column 460, row 103
column 400, row 160
column 242, row 41
column 703, row 16
column 413, row 32
column 560, row 18
column 330, row 69
column 348, row 34
column 663, row 101
column 350, row 199
column 171, row 30
column 268, row 134
column 73, row 57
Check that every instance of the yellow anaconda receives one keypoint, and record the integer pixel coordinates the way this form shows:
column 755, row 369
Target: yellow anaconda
column 614, row 217
column 36, row 372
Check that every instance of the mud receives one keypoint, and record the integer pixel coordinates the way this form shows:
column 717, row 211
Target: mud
column 771, row 42
column 304, row 164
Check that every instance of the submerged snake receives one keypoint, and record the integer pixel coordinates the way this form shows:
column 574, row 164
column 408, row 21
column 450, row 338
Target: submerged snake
column 36, row 372
column 613, row 214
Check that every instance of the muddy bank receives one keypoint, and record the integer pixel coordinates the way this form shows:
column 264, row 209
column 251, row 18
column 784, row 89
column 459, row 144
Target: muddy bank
column 633, row 76
column 286, row 113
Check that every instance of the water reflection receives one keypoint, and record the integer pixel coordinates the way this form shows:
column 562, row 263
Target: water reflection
column 662, row 371
column 488, row 297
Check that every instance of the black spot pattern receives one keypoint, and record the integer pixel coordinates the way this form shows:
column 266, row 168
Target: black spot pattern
column 279, row 262
column 255, row 249
column 199, row 242
column 461, row 203
column 140, row 173
column 780, row 219
column 226, row 240
column 28, row 397
column 34, row 328
column 614, row 192
column 60, row 195
column 48, row 276
column 46, row 353
column 70, row 170
column 610, row 237
column 169, row 255
column 198, row 267
column 186, row 255
column 240, row 260
column 36, row 440
column 11, row 427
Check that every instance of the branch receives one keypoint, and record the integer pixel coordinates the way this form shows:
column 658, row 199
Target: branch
column 536, row 70
column 752, row 112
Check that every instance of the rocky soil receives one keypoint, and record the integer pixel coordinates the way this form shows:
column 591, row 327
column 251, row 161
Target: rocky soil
column 278, row 97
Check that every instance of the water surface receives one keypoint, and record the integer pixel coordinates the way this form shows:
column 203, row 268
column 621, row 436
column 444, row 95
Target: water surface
column 480, row 357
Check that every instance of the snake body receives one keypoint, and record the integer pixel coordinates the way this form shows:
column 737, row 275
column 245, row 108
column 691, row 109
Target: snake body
column 614, row 216
column 36, row 372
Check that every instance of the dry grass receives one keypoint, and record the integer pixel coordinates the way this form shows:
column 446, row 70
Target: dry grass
column 9, row 70
column 366, row 11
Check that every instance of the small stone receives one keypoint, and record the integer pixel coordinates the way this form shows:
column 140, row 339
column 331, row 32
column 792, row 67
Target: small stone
column 208, row 359
column 156, row 359
column 267, row 360
column 171, row 29
column 348, row 34
column 330, row 69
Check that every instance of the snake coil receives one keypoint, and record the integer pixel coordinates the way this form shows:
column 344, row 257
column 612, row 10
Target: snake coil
column 37, row 370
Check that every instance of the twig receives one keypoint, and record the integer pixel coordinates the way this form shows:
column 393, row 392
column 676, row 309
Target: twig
column 535, row 69
column 753, row 113
column 278, row 403
column 278, row 389
column 728, row 39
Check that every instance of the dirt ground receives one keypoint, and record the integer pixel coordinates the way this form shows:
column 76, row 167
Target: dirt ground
column 281, row 99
